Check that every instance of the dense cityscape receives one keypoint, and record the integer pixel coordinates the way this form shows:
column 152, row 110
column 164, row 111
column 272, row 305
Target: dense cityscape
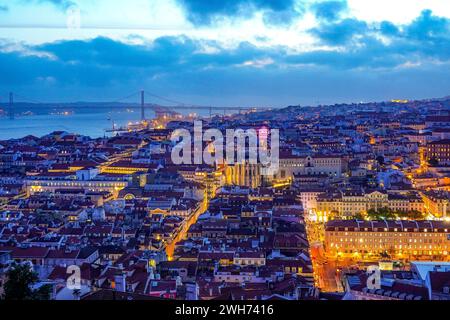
column 358, row 186
column 201, row 159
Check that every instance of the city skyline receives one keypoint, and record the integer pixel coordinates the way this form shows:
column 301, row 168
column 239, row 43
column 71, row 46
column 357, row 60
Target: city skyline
column 245, row 53
column 208, row 153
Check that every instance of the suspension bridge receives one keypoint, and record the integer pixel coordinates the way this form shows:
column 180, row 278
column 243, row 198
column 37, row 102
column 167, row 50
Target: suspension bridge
column 136, row 99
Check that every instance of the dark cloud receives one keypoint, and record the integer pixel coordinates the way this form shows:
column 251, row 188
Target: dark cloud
column 178, row 66
column 387, row 28
column 340, row 32
column 164, row 54
column 330, row 10
column 101, row 51
column 425, row 38
column 428, row 27
column 201, row 12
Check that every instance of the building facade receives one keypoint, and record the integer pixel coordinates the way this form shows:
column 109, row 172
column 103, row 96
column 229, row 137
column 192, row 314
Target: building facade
column 347, row 204
column 333, row 166
column 400, row 239
column 439, row 151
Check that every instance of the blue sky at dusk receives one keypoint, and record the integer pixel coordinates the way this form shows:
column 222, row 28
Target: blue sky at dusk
column 226, row 52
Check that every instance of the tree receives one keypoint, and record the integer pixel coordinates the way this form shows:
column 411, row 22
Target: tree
column 382, row 213
column 373, row 214
column 359, row 216
column 414, row 214
column 19, row 284
column 386, row 213
column 43, row 293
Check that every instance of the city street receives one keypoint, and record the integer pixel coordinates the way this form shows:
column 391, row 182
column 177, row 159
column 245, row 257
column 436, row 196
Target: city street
column 170, row 247
column 324, row 270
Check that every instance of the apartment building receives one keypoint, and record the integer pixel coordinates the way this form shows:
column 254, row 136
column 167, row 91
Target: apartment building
column 330, row 165
column 439, row 151
column 402, row 239
column 348, row 203
column 437, row 203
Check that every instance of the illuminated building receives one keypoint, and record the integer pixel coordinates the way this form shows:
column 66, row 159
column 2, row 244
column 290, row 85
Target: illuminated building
column 244, row 174
column 333, row 166
column 212, row 182
column 439, row 151
column 437, row 203
column 125, row 167
column 72, row 167
column 249, row 258
column 160, row 205
column 308, row 197
column 210, row 178
column 37, row 185
column 351, row 203
column 352, row 238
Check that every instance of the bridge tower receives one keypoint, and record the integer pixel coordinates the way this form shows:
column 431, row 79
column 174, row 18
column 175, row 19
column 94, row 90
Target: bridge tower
column 142, row 105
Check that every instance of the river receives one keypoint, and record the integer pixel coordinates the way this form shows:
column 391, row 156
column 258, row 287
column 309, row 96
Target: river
column 90, row 123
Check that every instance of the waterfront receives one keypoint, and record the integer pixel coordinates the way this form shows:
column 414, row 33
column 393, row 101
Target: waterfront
column 93, row 123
